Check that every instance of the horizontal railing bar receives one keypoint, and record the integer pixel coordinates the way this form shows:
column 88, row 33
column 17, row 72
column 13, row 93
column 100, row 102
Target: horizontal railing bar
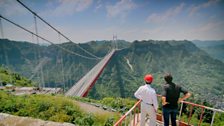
column 202, row 106
column 127, row 113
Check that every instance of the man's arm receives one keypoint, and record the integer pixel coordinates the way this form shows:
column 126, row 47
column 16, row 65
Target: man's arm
column 164, row 101
column 164, row 96
column 138, row 93
column 187, row 95
column 155, row 102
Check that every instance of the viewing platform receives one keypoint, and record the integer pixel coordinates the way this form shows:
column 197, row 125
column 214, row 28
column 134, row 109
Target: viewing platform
column 132, row 117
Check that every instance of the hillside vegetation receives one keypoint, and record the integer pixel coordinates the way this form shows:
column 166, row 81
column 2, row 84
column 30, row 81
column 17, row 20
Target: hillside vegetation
column 53, row 108
column 8, row 77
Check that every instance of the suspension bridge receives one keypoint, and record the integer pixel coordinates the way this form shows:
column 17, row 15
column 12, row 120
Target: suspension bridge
column 82, row 87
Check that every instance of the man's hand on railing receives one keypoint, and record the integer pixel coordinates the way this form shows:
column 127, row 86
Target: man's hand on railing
column 187, row 95
column 180, row 100
column 164, row 103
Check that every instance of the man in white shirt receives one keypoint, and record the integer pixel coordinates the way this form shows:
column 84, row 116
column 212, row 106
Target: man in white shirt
column 149, row 104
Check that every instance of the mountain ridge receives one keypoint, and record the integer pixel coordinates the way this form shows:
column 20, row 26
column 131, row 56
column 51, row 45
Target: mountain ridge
column 192, row 67
column 212, row 47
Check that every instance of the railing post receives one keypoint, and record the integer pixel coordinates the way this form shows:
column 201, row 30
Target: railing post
column 129, row 113
column 134, row 117
column 189, row 119
column 138, row 112
column 130, row 118
column 180, row 111
column 202, row 112
column 125, row 121
column 213, row 117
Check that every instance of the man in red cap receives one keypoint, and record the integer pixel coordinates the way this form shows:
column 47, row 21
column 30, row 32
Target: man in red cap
column 149, row 104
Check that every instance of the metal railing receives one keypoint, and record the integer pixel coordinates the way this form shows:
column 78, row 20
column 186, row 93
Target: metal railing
column 191, row 113
column 131, row 118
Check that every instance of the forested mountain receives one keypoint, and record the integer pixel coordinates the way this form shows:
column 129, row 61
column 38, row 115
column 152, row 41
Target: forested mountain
column 213, row 48
column 191, row 67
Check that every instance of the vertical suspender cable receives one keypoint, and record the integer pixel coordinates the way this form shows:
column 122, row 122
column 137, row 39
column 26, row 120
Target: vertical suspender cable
column 35, row 59
column 63, row 77
column 1, row 26
column 42, row 76
column 115, row 46
column 35, row 49
column 116, row 43
column 69, row 77
column 41, row 69
column 62, row 65
column 56, row 63
column 36, row 31
column 35, row 55
column 38, row 55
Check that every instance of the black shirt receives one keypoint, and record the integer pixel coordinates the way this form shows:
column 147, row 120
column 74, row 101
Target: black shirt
column 172, row 93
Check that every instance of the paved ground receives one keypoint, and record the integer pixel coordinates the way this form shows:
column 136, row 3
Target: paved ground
column 92, row 109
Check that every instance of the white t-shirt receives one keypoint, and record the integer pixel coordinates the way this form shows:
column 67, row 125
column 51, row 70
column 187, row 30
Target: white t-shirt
column 147, row 95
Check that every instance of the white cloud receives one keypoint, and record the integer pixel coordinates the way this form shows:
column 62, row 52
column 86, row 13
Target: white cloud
column 211, row 30
column 163, row 17
column 69, row 7
column 208, row 30
column 121, row 8
column 194, row 9
column 99, row 5
column 11, row 8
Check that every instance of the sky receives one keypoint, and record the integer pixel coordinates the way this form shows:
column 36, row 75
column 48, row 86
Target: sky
column 130, row 20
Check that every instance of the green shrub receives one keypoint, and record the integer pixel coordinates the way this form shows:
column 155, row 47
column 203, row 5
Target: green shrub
column 48, row 107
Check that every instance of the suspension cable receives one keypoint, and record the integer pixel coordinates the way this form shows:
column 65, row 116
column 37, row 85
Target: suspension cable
column 56, row 29
column 69, row 51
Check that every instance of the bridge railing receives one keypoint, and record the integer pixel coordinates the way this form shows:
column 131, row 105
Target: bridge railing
column 200, row 116
column 131, row 118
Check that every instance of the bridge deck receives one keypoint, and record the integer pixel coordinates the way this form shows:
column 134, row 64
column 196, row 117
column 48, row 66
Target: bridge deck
column 82, row 87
